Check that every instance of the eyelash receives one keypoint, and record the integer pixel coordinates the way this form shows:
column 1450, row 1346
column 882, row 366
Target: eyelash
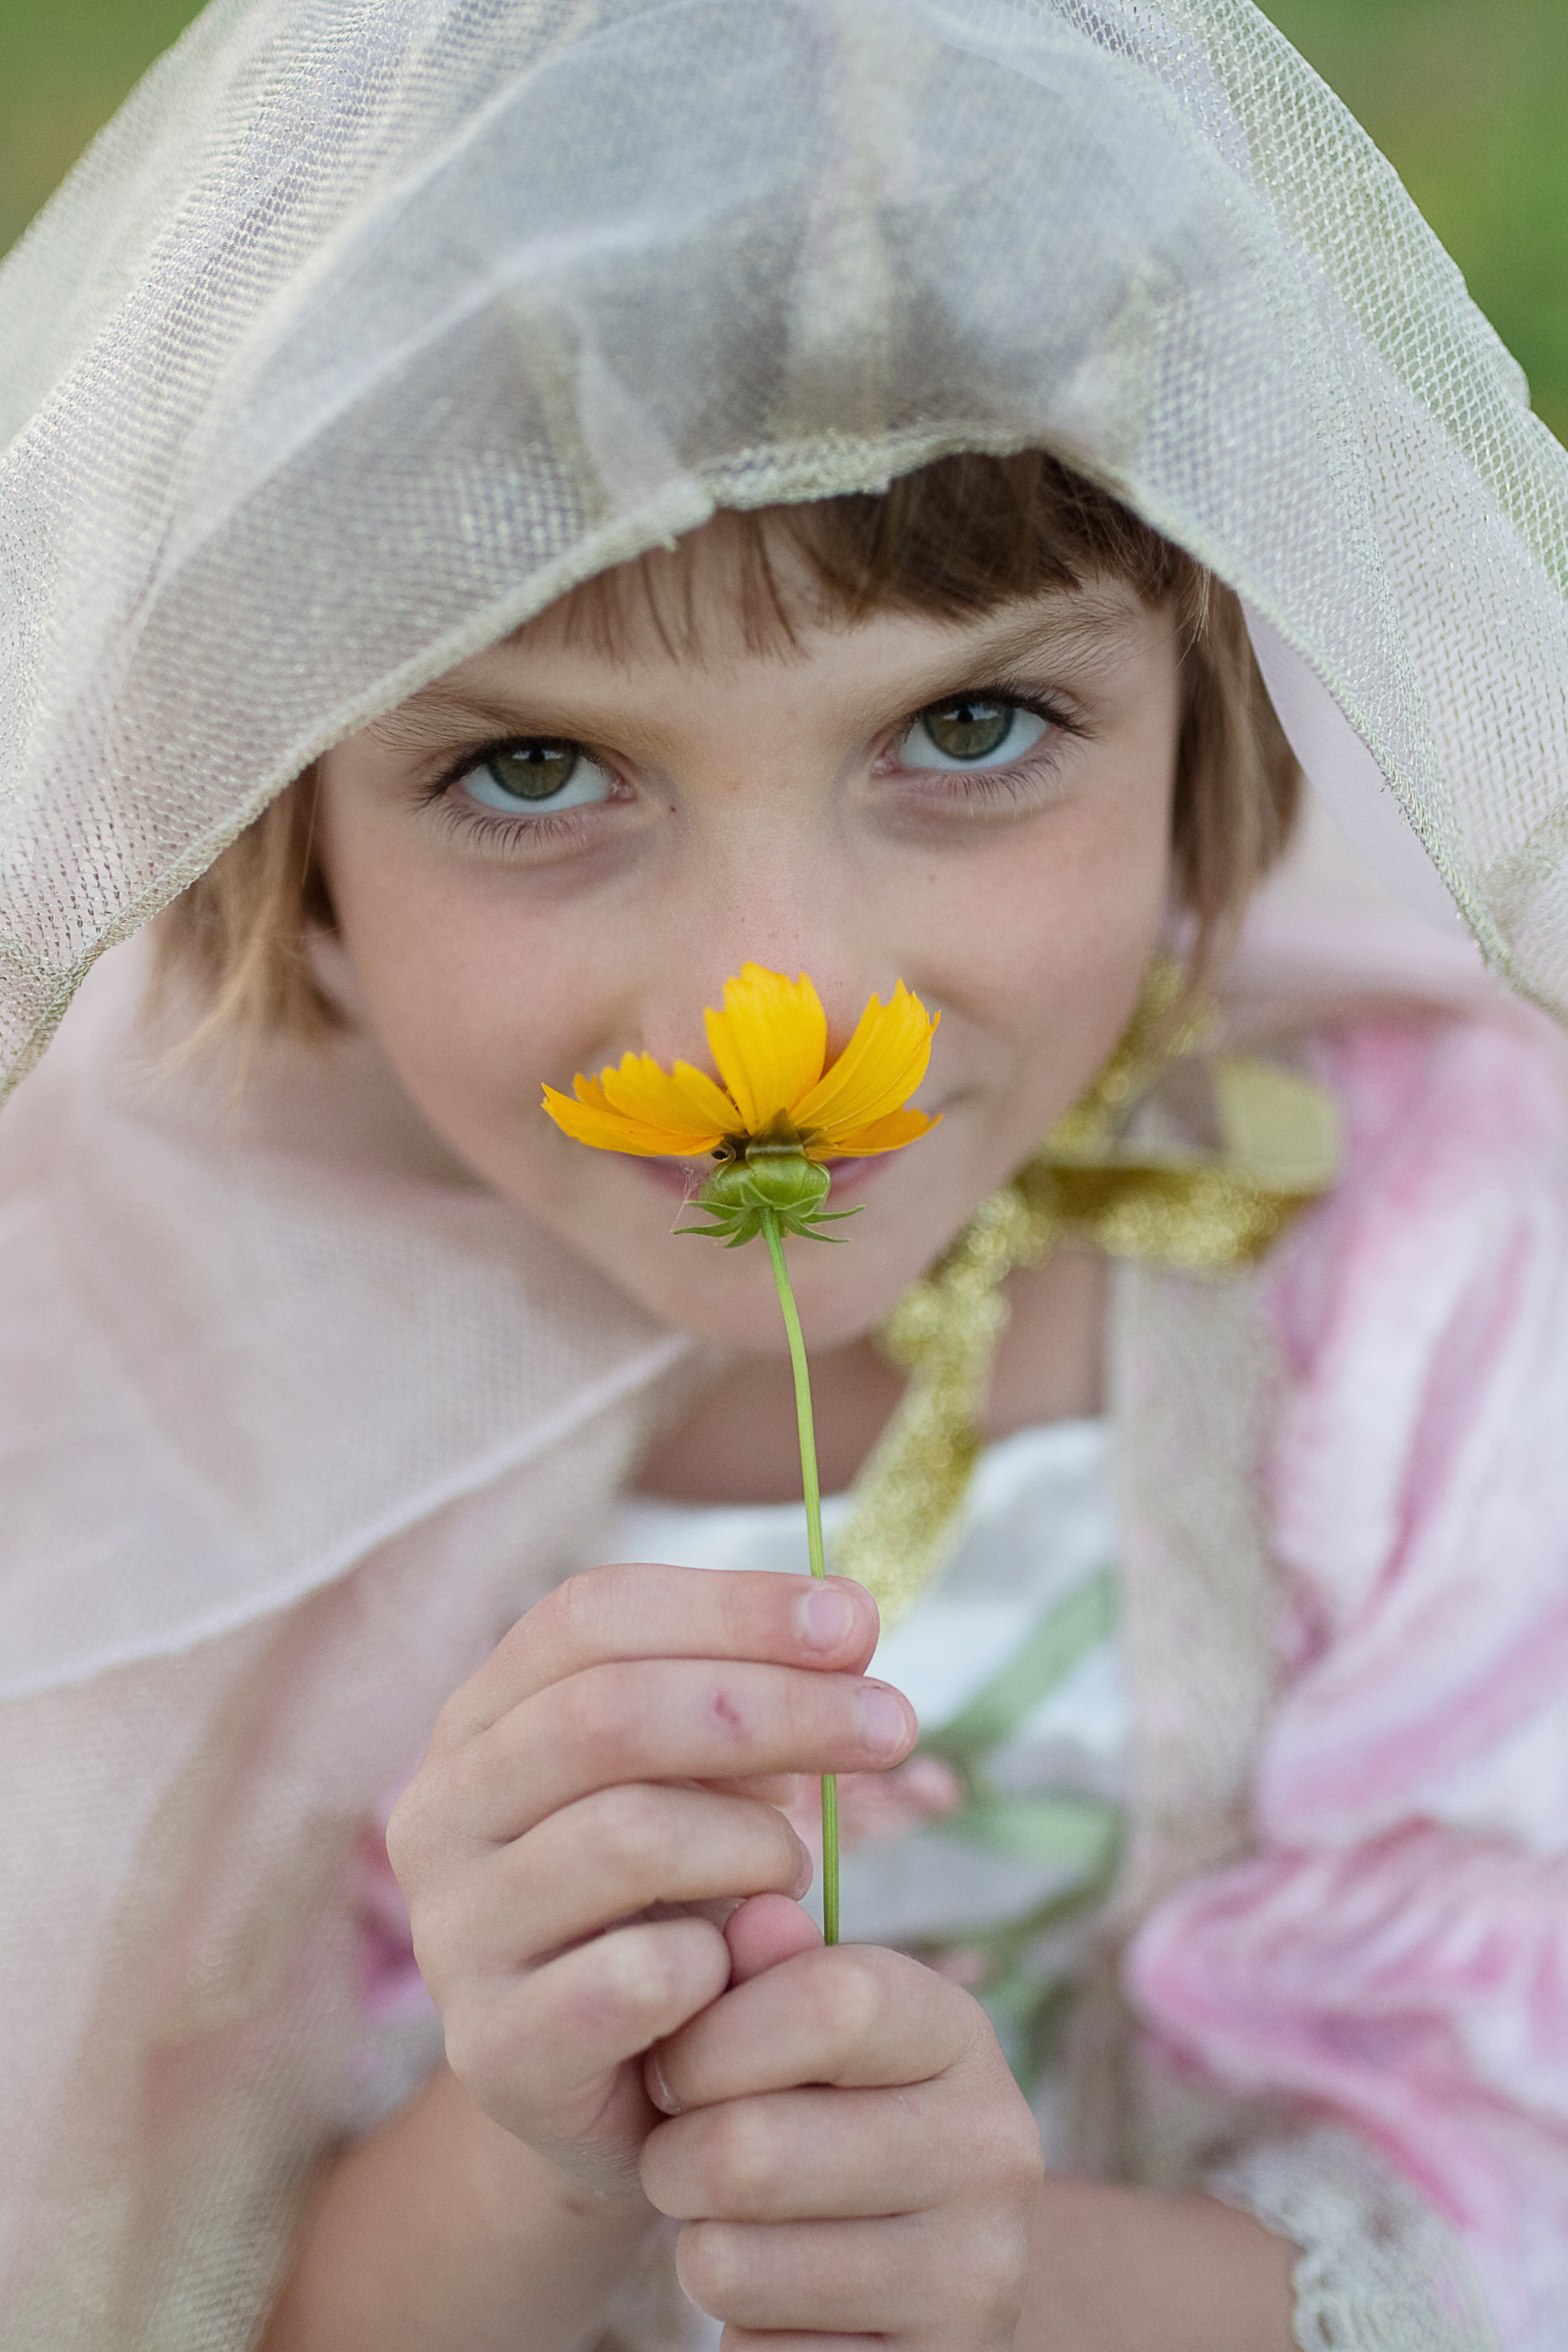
column 506, row 836
column 498, row 835
column 503, row 835
column 1009, row 782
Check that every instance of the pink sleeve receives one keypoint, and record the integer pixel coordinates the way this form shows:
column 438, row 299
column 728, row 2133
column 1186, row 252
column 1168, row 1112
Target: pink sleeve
column 1396, row 1953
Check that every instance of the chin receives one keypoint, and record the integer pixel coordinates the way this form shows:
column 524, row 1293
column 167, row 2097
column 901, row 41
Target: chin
column 845, row 1287
column 732, row 1302
column 737, row 1305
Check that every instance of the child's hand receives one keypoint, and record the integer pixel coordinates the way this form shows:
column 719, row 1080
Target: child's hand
column 848, row 2150
column 614, row 1756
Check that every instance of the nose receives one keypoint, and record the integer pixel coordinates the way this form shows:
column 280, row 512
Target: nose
column 787, row 897
column 839, row 966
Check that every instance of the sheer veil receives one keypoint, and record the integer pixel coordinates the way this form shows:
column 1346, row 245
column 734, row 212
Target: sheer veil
column 367, row 328
column 365, row 331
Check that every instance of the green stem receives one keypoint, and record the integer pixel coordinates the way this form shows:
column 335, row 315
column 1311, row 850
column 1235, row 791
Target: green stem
column 813, row 1543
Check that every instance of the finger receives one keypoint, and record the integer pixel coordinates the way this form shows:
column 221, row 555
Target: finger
column 780, row 1789
column 855, row 2015
column 920, row 2279
column 662, row 1718
column 759, row 1934
column 769, row 1928
column 649, row 1611
column 609, row 1856
column 533, row 2045
column 810, row 2154
column 746, row 2339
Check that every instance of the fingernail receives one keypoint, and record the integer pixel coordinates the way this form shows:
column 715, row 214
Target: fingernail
column 659, row 2089
column 883, row 1719
column 803, row 1874
column 825, row 1616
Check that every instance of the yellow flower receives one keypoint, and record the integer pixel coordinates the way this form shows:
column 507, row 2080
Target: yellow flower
column 776, row 1116
column 770, row 1043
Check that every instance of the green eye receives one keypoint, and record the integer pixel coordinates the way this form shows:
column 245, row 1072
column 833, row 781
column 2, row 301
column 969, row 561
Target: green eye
column 970, row 729
column 539, row 773
column 534, row 771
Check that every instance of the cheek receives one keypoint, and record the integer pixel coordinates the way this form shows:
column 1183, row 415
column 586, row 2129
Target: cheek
column 1044, row 943
column 471, row 1006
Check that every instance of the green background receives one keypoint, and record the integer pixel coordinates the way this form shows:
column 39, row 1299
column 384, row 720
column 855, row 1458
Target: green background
column 1468, row 97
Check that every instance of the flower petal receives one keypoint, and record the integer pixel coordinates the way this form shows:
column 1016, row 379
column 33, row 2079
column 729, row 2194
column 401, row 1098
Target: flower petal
column 681, row 1099
column 643, row 1110
column 769, row 1041
column 605, row 1130
column 889, row 1134
column 876, row 1073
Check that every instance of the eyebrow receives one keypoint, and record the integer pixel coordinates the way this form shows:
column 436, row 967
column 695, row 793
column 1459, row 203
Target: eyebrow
column 426, row 720
column 1081, row 619
column 1086, row 627
column 1079, row 628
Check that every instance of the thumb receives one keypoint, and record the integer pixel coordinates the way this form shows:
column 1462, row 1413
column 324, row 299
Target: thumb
column 763, row 1930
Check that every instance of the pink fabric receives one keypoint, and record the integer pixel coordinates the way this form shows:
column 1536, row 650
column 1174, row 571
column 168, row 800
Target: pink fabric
column 1396, row 1950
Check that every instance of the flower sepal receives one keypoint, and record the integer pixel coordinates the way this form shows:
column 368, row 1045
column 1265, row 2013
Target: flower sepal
column 766, row 1173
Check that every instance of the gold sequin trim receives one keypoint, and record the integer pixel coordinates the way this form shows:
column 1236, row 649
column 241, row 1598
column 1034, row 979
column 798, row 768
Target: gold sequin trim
column 1205, row 1213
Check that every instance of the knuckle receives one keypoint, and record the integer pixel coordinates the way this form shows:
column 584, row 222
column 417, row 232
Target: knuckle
column 1000, row 2252
column 565, row 1628
column 818, row 1714
column 708, row 2265
column 969, row 2284
column 453, row 1724
column 415, row 1826
column 996, row 2152
column 487, row 2056
column 785, row 1844
column 468, row 2049
column 630, row 1828
column 446, row 1934
column 850, row 1995
column 639, row 1977
column 744, row 2154
column 744, row 1605
column 405, row 1835
column 577, row 1606
column 1007, row 2151
column 474, row 1702
column 1026, row 2157
column 590, row 1610
column 589, row 1722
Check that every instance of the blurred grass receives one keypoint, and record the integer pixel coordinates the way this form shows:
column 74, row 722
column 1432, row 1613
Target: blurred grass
column 1469, row 101
column 65, row 65
column 1469, row 98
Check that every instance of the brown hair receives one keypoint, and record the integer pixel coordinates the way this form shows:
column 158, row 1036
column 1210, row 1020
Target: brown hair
column 953, row 542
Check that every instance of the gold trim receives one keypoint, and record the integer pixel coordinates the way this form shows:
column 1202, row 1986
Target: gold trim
column 1203, row 1212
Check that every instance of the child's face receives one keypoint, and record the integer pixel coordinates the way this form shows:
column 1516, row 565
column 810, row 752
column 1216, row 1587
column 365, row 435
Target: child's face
column 557, row 853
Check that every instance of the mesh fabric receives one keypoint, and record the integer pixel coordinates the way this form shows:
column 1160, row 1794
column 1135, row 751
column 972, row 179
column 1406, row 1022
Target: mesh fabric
column 367, row 328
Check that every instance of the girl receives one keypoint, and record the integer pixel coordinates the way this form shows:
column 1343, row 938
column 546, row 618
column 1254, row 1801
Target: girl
column 514, row 514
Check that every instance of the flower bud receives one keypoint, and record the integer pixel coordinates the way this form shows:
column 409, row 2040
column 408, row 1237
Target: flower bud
column 773, row 1175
